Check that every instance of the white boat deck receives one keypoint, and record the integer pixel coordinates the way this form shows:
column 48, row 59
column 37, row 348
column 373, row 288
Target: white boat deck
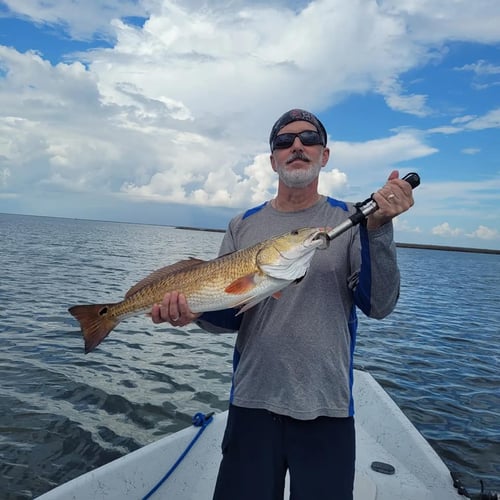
column 383, row 434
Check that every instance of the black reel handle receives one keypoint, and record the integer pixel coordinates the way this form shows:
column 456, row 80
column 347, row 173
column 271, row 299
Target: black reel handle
column 413, row 179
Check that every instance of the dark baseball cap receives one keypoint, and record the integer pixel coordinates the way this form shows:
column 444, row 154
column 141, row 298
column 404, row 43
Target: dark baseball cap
column 295, row 115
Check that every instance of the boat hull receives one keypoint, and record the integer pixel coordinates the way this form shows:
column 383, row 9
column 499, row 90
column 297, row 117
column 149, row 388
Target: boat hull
column 383, row 434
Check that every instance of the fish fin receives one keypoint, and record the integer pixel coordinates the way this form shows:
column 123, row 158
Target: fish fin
column 298, row 280
column 248, row 305
column 162, row 272
column 94, row 322
column 241, row 285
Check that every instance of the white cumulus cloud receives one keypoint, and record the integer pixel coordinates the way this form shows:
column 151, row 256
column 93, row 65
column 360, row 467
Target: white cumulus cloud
column 484, row 233
column 445, row 229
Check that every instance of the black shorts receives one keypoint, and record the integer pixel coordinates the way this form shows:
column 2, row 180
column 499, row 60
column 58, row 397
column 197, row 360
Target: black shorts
column 260, row 446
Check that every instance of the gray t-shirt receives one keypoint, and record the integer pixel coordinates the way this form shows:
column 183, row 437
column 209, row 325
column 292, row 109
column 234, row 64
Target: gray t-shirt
column 294, row 355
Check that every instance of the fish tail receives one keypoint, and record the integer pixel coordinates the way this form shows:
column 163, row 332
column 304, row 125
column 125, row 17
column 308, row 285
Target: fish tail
column 95, row 322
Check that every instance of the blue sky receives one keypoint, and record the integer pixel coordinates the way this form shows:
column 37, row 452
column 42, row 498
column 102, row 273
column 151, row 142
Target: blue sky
column 159, row 111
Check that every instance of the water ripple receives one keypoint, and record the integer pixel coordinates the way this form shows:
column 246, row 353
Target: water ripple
column 436, row 355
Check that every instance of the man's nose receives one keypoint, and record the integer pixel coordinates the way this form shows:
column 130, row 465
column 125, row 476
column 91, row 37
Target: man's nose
column 297, row 144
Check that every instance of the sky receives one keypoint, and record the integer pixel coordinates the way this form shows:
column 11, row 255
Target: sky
column 159, row 111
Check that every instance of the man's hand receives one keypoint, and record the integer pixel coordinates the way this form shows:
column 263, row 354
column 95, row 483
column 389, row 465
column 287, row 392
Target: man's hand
column 173, row 309
column 393, row 199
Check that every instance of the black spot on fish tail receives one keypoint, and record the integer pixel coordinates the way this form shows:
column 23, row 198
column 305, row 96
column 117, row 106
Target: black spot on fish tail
column 95, row 323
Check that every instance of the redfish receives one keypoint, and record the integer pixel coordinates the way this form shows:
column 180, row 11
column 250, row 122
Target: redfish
column 240, row 279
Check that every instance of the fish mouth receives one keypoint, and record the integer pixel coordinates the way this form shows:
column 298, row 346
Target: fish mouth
column 322, row 239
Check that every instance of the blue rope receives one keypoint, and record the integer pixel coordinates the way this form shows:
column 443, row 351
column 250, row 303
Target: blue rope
column 199, row 420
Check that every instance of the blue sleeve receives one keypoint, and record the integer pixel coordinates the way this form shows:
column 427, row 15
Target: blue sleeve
column 362, row 292
column 377, row 290
column 224, row 321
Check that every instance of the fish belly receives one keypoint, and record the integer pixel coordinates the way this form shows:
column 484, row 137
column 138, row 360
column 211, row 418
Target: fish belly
column 207, row 299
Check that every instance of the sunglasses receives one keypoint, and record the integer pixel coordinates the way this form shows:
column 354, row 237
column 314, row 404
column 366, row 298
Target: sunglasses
column 307, row 138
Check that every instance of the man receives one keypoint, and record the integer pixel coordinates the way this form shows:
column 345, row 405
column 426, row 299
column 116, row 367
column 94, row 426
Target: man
column 291, row 401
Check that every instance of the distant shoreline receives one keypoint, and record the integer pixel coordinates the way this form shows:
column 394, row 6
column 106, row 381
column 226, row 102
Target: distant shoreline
column 445, row 248
column 448, row 248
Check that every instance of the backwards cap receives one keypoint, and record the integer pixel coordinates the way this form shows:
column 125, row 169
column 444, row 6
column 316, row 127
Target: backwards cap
column 295, row 115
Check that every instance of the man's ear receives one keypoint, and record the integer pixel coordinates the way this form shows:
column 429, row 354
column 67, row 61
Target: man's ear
column 325, row 157
column 273, row 162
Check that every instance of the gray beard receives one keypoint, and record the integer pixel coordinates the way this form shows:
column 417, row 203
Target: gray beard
column 299, row 178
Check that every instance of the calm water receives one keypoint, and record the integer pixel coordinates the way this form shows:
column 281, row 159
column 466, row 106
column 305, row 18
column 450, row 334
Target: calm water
column 63, row 413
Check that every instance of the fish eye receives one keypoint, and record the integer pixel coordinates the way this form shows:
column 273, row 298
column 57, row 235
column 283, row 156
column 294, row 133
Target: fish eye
column 295, row 232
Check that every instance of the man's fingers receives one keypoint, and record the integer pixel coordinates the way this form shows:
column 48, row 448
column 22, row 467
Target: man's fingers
column 173, row 309
column 393, row 175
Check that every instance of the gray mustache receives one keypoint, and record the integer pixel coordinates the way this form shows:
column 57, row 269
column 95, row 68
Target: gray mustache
column 299, row 155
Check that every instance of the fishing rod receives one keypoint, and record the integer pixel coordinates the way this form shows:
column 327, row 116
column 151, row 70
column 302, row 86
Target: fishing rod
column 365, row 208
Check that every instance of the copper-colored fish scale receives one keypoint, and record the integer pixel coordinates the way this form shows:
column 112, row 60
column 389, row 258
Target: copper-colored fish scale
column 202, row 279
